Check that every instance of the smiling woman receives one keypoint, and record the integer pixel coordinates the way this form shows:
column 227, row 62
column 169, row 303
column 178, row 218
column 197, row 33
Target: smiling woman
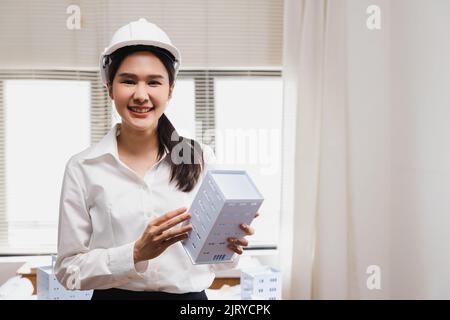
column 123, row 198
column 140, row 80
column 137, row 91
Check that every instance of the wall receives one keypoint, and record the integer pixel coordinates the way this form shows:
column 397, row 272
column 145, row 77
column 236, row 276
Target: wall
column 399, row 106
column 420, row 149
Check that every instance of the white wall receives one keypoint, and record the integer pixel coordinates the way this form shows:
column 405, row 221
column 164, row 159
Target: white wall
column 420, row 149
column 399, row 108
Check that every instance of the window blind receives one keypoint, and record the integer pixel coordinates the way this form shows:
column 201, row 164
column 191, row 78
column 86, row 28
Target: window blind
column 209, row 33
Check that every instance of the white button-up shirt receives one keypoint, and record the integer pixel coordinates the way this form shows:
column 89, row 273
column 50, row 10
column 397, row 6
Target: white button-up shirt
column 104, row 208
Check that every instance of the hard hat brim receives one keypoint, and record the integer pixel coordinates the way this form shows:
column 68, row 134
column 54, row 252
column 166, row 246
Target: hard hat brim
column 108, row 51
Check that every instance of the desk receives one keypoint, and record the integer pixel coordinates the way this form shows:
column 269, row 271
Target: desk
column 28, row 270
column 219, row 282
column 30, row 273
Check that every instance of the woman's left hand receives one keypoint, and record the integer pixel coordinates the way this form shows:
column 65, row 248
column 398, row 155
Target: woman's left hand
column 235, row 244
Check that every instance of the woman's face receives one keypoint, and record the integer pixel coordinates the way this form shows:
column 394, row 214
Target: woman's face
column 141, row 90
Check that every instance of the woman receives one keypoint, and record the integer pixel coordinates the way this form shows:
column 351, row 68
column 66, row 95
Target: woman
column 123, row 199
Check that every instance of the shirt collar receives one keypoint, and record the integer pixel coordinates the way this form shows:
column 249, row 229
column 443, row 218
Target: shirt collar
column 108, row 145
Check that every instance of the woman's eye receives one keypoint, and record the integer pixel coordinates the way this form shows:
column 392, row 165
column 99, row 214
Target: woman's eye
column 151, row 83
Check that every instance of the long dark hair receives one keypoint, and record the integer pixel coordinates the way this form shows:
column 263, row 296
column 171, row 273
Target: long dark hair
column 186, row 173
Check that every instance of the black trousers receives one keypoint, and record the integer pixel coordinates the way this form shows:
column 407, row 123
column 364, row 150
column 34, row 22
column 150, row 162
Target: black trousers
column 120, row 294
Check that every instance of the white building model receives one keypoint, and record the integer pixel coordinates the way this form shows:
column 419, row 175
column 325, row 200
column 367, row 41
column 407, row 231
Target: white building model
column 260, row 283
column 48, row 287
column 225, row 199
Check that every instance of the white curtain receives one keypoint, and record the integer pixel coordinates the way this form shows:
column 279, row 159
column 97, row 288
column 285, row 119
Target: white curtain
column 316, row 87
column 366, row 161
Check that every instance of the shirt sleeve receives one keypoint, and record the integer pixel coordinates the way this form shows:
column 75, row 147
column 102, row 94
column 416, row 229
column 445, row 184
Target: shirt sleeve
column 77, row 266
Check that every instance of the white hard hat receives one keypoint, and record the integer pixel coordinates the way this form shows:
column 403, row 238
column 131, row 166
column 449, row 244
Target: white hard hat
column 139, row 32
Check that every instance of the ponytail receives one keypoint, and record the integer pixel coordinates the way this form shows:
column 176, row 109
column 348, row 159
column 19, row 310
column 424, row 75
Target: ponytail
column 186, row 173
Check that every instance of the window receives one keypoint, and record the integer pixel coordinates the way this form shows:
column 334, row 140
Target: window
column 243, row 127
column 46, row 117
column 224, row 109
column 40, row 135
column 248, row 123
column 181, row 108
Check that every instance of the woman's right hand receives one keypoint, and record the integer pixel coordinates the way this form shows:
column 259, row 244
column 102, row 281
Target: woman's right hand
column 160, row 234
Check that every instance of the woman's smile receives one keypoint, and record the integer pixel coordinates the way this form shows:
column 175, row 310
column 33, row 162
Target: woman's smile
column 140, row 111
